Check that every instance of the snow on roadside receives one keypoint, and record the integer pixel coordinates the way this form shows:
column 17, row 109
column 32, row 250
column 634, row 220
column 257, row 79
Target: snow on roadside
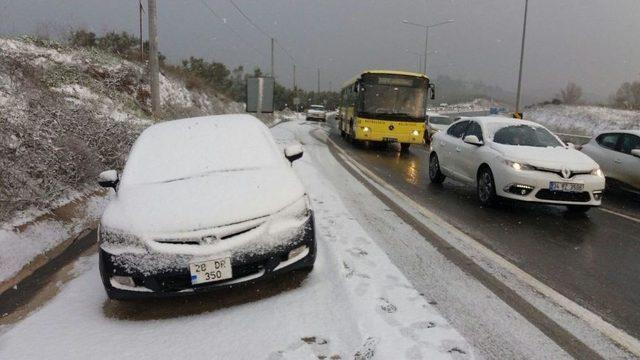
column 18, row 249
column 583, row 120
column 355, row 304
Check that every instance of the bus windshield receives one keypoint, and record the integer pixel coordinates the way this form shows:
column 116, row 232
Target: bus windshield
column 394, row 97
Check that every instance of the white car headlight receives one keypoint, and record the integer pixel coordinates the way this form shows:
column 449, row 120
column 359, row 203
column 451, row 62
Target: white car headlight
column 117, row 238
column 597, row 172
column 518, row 166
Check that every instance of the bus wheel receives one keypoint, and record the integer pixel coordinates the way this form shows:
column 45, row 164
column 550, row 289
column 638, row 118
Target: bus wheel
column 404, row 147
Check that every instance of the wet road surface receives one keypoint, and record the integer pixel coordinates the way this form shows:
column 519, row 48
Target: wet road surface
column 590, row 258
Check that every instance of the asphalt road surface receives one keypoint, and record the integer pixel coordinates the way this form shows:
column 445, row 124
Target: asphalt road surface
column 590, row 258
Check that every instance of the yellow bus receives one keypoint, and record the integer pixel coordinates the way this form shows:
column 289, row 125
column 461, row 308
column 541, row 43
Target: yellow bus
column 385, row 106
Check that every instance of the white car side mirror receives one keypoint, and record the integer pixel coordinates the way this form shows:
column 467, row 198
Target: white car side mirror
column 108, row 179
column 473, row 140
column 293, row 152
column 635, row 152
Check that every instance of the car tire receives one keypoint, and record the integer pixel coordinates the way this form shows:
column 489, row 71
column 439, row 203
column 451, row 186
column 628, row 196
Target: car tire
column 578, row 209
column 486, row 187
column 404, row 147
column 435, row 175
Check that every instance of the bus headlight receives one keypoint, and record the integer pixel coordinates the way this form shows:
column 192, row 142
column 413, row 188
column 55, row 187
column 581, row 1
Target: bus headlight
column 366, row 129
column 415, row 133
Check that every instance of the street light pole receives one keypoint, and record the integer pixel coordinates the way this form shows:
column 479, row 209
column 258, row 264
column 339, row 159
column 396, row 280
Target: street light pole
column 524, row 32
column 426, row 40
column 426, row 49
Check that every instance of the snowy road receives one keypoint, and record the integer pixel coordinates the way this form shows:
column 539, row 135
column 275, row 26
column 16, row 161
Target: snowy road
column 355, row 304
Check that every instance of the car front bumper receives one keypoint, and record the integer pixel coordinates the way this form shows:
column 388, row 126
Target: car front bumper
column 533, row 186
column 247, row 269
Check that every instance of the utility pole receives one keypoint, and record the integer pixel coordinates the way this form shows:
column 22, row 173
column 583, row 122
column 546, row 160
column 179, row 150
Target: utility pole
column 294, row 79
column 318, row 80
column 273, row 74
column 141, row 10
column 154, row 66
column 524, row 32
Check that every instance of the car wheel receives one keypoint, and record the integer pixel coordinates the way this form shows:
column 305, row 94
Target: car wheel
column 435, row 175
column 486, row 187
column 578, row 209
column 404, row 147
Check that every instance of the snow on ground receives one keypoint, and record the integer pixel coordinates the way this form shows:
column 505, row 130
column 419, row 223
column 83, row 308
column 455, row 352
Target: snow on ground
column 583, row 120
column 355, row 304
column 18, row 249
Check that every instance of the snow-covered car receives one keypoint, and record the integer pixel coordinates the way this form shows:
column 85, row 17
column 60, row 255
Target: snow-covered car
column 515, row 159
column 204, row 203
column 435, row 122
column 618, row 154
column 317, row 112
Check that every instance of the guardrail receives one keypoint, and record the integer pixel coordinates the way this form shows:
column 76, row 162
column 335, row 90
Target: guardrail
column 574, row 138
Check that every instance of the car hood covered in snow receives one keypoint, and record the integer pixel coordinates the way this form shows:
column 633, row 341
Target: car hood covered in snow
column 547, row 157
column 201, row 202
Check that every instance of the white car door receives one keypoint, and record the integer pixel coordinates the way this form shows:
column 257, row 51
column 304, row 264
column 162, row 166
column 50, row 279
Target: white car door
column 469, row 155
column 449, row 145
column 603, row 151
column 628, row 165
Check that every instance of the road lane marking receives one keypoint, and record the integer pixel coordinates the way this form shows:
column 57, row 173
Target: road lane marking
column 617, row 335
column 612, row 212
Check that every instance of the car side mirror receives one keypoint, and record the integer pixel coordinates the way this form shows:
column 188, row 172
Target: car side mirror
column 108, row 179
column 635, row 152
column 293, row 152
column 473, row 140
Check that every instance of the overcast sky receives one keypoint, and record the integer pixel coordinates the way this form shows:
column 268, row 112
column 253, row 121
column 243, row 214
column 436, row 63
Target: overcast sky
column 591, row 42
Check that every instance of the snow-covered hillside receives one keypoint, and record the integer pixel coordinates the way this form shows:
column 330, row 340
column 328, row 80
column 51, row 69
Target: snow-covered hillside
column 583, row 120
column 66, row 114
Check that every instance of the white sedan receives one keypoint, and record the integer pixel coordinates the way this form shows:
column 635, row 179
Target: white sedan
column 618, row 153
column 317, row 112
column 515, row 159
column 203, row 204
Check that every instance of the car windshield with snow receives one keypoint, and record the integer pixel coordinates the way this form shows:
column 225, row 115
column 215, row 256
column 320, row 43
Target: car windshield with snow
column 203, row 203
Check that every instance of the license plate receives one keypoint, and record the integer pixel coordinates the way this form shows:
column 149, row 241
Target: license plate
column 210, row 270
column 566, row 187
column 390, row 139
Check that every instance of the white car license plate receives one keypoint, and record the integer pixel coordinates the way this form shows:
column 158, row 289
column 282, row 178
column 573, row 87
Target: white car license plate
column 566, row 187
column 210, row 270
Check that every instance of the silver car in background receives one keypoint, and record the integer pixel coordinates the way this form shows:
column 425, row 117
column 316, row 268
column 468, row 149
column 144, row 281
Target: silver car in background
column 618, row 154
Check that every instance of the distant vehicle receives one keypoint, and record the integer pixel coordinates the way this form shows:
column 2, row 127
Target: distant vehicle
column 385, row 106
column 435, row 122
column 317, row 112
column 618, row 153
column 204, row 203
column 515, row 159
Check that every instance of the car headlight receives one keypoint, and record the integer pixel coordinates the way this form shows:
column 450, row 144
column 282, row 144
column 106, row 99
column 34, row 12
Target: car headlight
column 415, row 133
column 597, row 172
column 518, row 166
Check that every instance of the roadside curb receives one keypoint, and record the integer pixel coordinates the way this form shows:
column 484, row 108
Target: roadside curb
column 63, row 213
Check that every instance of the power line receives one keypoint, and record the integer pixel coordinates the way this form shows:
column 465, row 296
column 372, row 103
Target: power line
column 261, row 30
column 237, row 34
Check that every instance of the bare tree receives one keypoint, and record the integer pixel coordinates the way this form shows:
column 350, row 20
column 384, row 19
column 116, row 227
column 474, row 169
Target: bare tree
column 628, row 96
column 571, row 94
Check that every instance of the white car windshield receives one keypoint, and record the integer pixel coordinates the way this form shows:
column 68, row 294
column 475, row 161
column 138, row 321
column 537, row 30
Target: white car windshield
column 523, row 135
column 197, row 149
column 317, row 107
